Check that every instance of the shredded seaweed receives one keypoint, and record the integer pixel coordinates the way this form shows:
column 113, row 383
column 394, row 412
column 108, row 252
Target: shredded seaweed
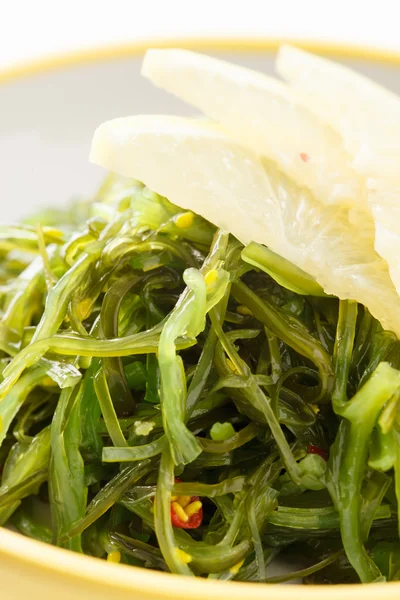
column 186, row 404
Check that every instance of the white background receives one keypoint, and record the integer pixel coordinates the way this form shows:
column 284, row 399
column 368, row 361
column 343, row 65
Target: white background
column 32, row 29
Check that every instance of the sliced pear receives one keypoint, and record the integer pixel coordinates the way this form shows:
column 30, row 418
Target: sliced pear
column 367, row 116
column 263, row 115
column 196, row 166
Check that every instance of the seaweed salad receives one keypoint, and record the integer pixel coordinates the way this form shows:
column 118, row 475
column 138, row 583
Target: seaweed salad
column 178, row 397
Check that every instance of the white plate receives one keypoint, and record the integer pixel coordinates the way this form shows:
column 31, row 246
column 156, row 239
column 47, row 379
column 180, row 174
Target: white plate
column 47, row 120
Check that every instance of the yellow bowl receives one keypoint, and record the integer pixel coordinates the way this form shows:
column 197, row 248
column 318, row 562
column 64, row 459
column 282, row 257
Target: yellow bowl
column 51, row 127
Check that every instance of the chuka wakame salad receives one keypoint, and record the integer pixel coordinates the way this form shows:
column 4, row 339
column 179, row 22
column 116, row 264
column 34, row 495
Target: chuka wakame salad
column 201, row 366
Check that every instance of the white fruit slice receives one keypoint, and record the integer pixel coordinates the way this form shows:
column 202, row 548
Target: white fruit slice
column 196, row 166
column 367, row 116
column 262, row 114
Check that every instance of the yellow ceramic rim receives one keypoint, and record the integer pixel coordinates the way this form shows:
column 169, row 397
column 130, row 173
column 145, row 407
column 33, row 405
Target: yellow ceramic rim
column 84, row 569
column 116, row 52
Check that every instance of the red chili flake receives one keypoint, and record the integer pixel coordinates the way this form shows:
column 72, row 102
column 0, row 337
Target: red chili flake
column 186, row 511
column 304, row 156
column 317, row 450
column 193, row 521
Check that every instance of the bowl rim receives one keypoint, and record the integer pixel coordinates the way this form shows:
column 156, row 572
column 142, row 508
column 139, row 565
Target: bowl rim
column 68, row 59
column 61, row 563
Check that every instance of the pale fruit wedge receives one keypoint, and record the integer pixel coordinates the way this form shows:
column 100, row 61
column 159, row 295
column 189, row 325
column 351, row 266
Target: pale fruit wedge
column 384, row 199
column 262, row 114
column 367, row 116
column 196, row 166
